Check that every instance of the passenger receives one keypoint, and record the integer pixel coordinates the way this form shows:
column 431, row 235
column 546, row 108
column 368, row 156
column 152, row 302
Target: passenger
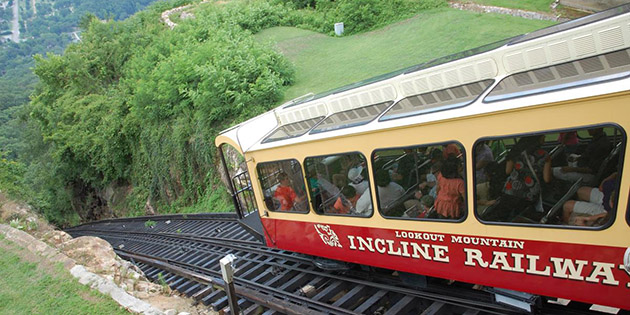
column 593, row 204
column 589, row 162
column 451, row 149
column 285, row 194
column 497, row 147
column 431, row 181
column 527, row 166
column 347, row 201
column 404, row 170
column 436, row 156
column 488, row 192
column 419, row 207
column 355, row 176
column 364, row 204
column 426, row 203
column 426, row 188
column 483, row 156
column 339, row 180
column 313, row 183
column 570, row 141
column 451, row 191
column 388, row 191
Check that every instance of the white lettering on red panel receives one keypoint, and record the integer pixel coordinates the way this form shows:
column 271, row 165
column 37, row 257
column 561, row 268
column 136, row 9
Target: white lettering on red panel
column 426, row 246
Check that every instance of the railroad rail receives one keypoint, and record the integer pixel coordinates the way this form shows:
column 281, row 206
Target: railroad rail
column 183, row 251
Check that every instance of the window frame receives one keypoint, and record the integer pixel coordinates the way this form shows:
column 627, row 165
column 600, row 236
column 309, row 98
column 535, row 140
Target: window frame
column 488, row 88
column 267, row 138
column 556, row 87
column 369, row 188
column 620, row 170
column 465, row 210
column 314, row 131
column 260, row 182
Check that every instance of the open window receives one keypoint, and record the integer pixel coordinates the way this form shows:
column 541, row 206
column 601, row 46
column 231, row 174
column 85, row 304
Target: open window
column 565, row 178
column 421, row 182
column 339, row 184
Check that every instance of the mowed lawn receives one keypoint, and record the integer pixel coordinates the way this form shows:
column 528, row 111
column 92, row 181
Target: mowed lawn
column 323, row 62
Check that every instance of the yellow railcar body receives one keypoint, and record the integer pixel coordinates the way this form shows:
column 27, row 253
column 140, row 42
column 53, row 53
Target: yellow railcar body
column 467, row 130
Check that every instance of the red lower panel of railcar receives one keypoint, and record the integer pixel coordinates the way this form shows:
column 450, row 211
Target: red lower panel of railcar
column 592, row 274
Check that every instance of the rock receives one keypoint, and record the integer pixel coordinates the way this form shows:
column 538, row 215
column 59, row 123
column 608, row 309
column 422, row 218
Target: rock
column 170, row 312
column 92, row 252
column 186, row 15
column 10, row 210
column 148, row 287
column 141, row 295
column 55, row 238
column 130, row 284
column 148, row 207
column 184, row 313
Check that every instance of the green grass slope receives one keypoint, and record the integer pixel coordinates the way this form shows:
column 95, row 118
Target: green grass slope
column 323, row 63
column 27, row 287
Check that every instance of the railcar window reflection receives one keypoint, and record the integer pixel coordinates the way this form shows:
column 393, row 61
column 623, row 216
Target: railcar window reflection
column 421, row 182
column 566, row 178
column 283, row 186
column 339, row 184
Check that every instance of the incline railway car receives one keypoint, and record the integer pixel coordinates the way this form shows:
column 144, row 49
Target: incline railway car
column 503, row 166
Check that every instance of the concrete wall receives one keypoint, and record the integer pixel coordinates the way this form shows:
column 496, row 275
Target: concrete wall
column 593, row 5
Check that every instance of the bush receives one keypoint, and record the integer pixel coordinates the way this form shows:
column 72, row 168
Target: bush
column 12, row 177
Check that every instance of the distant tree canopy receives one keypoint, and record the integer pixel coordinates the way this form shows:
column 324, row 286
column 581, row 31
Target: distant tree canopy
column 138, row 103
column 47, row 30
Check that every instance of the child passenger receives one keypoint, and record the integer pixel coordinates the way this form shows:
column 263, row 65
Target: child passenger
column 450, row 190
column 347, row 201
column 285, row 194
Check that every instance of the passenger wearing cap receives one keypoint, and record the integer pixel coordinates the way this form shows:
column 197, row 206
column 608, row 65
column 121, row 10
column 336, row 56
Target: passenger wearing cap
column 356, row 180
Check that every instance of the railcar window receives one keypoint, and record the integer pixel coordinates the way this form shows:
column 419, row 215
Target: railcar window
column 566, row 178
column 421, row 182
column 351, row 118
column 295, row 129
column 605, row 67
column 283, row 186
column 437, row 100
column 339, row 185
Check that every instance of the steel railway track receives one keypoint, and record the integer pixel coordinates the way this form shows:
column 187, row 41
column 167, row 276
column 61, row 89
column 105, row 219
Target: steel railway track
column 184, row 252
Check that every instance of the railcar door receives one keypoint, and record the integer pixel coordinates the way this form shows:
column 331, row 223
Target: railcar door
column 240, row 186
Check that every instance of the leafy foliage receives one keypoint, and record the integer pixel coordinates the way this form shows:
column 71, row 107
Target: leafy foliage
column 11, row 175
column 138, row 104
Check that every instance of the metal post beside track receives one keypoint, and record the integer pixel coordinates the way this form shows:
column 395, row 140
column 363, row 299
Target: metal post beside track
column 227, row 271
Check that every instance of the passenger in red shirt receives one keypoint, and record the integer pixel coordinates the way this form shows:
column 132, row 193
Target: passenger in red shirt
column 285, row 194
column 347, row 201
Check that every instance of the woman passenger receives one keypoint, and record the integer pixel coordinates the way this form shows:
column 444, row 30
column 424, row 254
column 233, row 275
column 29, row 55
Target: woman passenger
column 450, row 190
column 527, row 167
